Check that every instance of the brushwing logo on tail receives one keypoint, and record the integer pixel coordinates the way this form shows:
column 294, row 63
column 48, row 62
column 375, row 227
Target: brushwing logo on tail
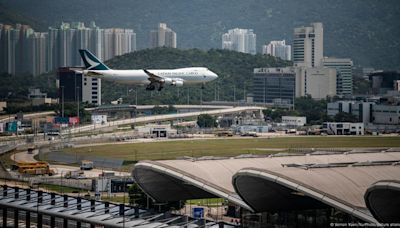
column 92, row 63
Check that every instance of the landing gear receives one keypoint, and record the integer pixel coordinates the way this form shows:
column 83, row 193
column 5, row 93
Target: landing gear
column 160, row 86
column 152, row 87
column 202, row 86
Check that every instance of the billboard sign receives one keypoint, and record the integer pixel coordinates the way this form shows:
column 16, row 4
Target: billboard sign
column 12, row 126
column 74, row 120
column 61, row 120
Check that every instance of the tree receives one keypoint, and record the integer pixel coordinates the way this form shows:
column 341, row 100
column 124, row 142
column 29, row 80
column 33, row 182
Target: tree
column 345, row 117
column 206, row 121
column 137, row 197
column 313, row 110
column 276, row 114
column 70, row 109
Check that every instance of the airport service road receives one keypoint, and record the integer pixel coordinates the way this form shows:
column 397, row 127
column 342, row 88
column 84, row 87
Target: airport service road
column 24, row 156
column 61, row 169
column 26, row 116
column 157, row 118
column 191, row 138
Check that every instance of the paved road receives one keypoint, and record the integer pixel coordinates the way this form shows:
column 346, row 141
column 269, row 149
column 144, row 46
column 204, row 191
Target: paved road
column 60, row 169
column 26, row 116
column 24, row 156
column 157, row 118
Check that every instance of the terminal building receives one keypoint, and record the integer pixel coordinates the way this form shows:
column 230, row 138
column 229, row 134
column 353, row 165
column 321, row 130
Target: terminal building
column 367, row 112
column 303, row 190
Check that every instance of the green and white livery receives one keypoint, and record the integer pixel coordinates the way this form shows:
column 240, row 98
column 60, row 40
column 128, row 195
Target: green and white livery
column 156, row 78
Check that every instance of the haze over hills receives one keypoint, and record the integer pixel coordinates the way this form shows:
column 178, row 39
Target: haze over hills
column 366, row 31
column 9, row 16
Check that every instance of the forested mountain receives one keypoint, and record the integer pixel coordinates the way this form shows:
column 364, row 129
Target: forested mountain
column 235, row 71
column 365, row 30
column 9, row 16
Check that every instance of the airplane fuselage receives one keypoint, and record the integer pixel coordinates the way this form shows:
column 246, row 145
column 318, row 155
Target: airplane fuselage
column 189, row 75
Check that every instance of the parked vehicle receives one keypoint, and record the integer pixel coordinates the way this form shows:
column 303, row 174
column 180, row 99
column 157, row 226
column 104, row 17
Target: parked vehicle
column 87, row 165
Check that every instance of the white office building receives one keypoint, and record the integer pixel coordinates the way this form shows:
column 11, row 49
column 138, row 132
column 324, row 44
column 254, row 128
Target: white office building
column 240, row 40
column 386, row 114
column 343, row 128
column 360, row 109
column 367, row 112
column 308, row 45
column 278, row 48
column 318, row 82
column 344, row 72
column 294, row 121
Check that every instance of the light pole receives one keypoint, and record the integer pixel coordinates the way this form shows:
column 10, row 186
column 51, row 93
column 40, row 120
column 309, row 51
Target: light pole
column 136, row 98
column 62, row 101
column 77, row 101
column 234, row 93
column 188, row 96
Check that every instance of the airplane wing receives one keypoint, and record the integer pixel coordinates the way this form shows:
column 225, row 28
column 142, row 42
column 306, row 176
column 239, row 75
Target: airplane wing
column 153, row 77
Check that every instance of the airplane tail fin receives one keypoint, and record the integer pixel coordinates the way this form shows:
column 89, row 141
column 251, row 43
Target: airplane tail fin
column 91, row 61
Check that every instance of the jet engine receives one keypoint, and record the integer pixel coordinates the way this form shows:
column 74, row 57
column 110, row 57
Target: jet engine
column 173, row 82
column 177, row 83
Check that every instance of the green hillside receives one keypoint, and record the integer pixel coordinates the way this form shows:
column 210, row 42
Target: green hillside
column 365, row 30
column 8, row 16
column 235, row 72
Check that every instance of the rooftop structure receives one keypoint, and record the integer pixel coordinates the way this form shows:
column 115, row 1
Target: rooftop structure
column 77, row 211
column 297, row 181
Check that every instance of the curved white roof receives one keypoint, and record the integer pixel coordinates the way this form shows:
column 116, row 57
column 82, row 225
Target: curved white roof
column 338, row 179
column 383, row 200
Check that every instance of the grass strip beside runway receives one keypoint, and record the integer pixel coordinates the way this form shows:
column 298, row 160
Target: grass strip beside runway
column 229, row 146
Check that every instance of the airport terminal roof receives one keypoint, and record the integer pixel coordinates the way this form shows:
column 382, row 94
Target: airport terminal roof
column 340, row 179
column 383, row 200
column 97, row 213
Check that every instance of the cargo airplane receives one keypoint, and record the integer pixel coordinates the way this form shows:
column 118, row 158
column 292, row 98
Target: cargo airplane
column 153, row 79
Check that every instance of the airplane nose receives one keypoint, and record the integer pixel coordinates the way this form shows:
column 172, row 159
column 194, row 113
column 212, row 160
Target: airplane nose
column 213, row 75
